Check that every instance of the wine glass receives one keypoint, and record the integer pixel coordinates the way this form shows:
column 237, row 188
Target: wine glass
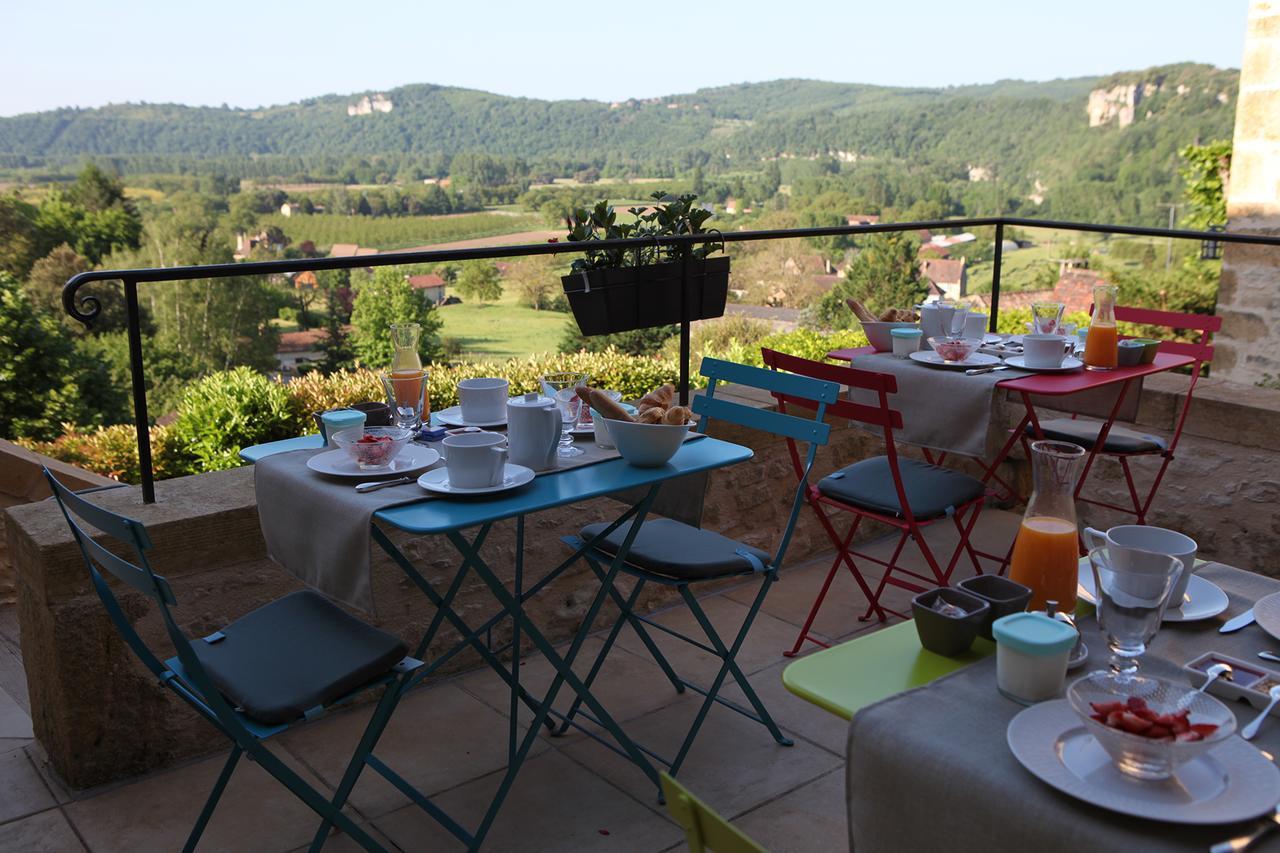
column 563, row 388
column 1046, row 317
column 1132, row 592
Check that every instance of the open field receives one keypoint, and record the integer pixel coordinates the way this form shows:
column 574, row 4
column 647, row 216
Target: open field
column 502, row 329
column 397, row 232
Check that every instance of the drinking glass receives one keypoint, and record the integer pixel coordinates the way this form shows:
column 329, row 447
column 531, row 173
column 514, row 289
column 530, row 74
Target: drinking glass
column 406, row 395
column 1046, row 317
column 562, row 387
column 1131, row 603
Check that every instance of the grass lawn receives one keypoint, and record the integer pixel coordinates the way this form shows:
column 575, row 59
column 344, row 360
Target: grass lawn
column 502, row 329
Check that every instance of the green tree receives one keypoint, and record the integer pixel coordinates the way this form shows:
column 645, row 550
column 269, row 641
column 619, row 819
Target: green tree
column 1204, row 176
column 44, row 288
column 21, row 240
column 480, row 280
column 647, row 342
column 39, row 371
column 537, row 281
column 385, row 298
column 884, row 274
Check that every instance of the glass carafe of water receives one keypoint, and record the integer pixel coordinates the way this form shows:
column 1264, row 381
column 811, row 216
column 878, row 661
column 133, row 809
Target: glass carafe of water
column 1046, row 554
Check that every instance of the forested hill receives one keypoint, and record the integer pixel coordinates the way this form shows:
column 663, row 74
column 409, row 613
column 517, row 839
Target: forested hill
column 789, row 118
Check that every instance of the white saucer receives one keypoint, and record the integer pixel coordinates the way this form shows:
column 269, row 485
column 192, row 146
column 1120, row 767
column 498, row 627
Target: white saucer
column 932, row 359
column 438, row 481
column 1203, row 599
column 1229, row 783
column 337, row 463
column 452, row 416
column 1069, row 364
column 1266, row 612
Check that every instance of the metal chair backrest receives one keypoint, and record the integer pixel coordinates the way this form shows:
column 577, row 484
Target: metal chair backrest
column 136, row 572
column 815, row 431
column 881, row 415
column 703, row 828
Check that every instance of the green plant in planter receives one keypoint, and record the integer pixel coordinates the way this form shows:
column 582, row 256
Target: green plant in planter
column 667, row 218
column 619, row 290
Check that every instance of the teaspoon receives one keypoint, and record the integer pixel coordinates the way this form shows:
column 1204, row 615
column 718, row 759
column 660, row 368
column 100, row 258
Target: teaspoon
column 1252, row 729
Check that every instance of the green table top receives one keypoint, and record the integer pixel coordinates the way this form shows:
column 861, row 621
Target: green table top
column 846, row 678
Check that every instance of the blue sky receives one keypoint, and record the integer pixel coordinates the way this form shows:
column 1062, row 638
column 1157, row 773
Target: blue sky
column 88, row 53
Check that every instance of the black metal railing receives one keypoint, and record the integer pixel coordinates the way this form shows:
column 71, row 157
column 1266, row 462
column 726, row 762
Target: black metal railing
column 86, row 308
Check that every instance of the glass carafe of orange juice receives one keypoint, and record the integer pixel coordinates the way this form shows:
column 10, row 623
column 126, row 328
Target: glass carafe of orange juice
column 1046, row 553
column 1101, row 344
column 406, row 363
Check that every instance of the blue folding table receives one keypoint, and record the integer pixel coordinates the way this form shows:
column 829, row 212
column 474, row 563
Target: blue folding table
column 450, row 518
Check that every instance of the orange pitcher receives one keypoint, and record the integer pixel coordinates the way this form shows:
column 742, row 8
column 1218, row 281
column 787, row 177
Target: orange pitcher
column 1046, row 554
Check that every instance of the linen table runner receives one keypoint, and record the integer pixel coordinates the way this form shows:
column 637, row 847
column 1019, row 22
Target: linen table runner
column 318, row 527
column 930, row 769
column 942, row 408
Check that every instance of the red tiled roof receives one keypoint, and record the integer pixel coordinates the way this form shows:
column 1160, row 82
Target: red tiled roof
column 302, row 341
column 421, row 282
column 942, row 271
column 861, row 219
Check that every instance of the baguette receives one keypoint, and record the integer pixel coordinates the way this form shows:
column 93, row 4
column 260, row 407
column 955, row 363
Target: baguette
column 677, row 416
column 860, row 311
column 651, row 415
column 601, row 402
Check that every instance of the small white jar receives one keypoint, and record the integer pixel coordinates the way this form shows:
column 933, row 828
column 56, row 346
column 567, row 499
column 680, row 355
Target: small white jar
column 1031, row 656
column 906, row 340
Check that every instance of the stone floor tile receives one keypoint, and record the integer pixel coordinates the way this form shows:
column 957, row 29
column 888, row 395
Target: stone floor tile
column 22, row 792
column 340, row 842
column 733, row 765
column 795, row 715
column 438, row 738
column 46, row 832
column 763, row 647
column 628, row 685
column 256, row 813
column 554, row 805
column 13, row 677
column 14, row 722
column 40, row 760
column 812, row 817
column 9, row 744
column 791, row 598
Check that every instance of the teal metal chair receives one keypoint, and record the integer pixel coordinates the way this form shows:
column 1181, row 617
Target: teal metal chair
column 281, row 665
column 679, row 555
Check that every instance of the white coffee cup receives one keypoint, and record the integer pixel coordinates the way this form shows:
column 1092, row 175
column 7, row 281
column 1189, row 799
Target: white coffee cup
column 483, row 401
column 475, row 460
column 975, row 326
column 1129, row 544
column 1043, row 350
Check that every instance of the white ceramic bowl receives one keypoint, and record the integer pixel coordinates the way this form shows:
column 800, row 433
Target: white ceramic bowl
column 647, row 445
column 1144, row 757
column 878, row 334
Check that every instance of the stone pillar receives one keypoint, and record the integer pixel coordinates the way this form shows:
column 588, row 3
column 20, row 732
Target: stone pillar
column 1248, row 348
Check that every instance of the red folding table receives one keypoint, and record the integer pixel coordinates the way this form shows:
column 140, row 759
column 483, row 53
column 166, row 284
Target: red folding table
column 1059, row 385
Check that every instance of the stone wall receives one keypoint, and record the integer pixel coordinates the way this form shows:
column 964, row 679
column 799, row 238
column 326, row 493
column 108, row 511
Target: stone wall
column 101, row 717
column 1249, row 295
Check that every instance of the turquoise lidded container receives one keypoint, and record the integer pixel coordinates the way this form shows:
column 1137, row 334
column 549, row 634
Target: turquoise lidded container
column 1031, row 656
column 338, row 420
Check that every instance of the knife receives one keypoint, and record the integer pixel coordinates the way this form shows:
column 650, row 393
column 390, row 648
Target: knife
column 1235, row 623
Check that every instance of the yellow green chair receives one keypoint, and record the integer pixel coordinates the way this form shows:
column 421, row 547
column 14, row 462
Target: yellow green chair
column 703, row 828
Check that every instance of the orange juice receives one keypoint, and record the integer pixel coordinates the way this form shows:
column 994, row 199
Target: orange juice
column 1100, row 347
column 1045, row 558
column 406, row 384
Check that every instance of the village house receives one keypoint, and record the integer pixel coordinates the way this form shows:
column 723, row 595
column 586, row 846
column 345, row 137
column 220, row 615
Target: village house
column 430, row 285
column 948, row 279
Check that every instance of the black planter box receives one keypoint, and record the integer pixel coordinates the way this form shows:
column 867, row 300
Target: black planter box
column 620, row 300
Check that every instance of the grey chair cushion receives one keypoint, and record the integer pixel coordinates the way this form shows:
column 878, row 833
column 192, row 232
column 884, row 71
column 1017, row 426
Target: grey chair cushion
column 295, row 654
column 1085, row 433
column 931, row 490
column 675, row 550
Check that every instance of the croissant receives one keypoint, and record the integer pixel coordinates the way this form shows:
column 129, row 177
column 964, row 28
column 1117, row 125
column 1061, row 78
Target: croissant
column 677, row 415
column 651, row 415
column 660, row 397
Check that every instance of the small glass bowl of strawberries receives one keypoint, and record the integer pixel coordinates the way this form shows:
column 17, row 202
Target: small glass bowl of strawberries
column 372, row 448
column 1149, row 726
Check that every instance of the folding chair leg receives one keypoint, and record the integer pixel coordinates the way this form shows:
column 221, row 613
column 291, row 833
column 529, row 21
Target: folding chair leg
column 813, row 611
column 372, row 732
column 1133, row 490
column 627, row 607
column 210, row 804
column 727, row 656
column 876, row 607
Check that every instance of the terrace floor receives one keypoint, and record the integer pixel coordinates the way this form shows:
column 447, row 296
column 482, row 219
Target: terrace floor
column 448, row 738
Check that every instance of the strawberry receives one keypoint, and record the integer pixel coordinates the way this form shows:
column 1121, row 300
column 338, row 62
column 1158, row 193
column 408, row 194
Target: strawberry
column 1204, row 729
column 1186, row 737
column 1107, row 707
column 1133, row 724
column 1136, row 703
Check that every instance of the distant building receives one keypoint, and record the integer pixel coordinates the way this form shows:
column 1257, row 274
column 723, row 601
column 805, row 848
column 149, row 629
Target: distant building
column 305, row 280
column 731, row 205
column 246, row 243
column 947, row 278
column 1074, row 289
column 861, row 219
column 343, row 250
column 430, row 285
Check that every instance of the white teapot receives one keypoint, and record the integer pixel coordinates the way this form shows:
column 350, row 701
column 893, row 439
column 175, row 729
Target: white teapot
column 533, row 431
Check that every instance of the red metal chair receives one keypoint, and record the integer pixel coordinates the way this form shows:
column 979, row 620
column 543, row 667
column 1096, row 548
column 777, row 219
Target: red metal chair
column 904, row 493
column 1123, row 443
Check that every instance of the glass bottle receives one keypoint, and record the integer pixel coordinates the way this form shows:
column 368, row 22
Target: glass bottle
column 406, row 366
column 1101, row 344
column 1046, row 553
